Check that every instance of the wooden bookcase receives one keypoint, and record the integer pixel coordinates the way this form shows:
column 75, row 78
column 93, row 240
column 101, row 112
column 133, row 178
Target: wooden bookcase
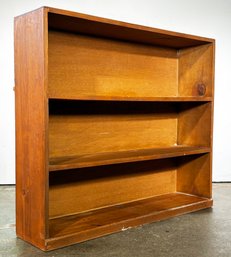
column 113, row 125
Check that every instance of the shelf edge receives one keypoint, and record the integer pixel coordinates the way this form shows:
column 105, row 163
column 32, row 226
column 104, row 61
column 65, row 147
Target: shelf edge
column 134, row 99
column 58, row 167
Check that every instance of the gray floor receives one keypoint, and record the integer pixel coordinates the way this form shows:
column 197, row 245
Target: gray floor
column 200, row 234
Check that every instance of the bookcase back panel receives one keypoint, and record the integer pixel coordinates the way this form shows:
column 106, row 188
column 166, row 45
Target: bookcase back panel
column 94, row 127
column 196, row 70
column 81, row 65
column 91, row 188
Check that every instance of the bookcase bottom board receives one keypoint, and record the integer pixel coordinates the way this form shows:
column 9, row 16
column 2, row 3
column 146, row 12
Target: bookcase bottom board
column 80, row 227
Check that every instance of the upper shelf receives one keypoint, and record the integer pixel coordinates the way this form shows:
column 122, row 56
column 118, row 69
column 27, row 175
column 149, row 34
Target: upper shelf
column 90, row 160
column 87, row 24
column 145, row 99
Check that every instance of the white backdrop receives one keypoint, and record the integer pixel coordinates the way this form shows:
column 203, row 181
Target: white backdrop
column 209, row 18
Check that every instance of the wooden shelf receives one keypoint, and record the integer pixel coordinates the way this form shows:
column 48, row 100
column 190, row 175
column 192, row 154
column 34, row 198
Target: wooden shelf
column 84, row 226
column 91, row 160
column 143, row 99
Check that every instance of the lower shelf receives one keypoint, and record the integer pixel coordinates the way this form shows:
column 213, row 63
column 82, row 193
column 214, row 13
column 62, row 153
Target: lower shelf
column 88, row 225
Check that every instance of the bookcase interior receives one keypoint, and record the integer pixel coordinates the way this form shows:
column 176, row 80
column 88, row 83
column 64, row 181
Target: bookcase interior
column 126, row 127
column 92, row 167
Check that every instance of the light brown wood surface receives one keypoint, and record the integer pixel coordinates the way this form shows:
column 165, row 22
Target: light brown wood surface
column 122, row 117
column 194, row 175
column 100, row 127
column 139, row 99
column 194, row 124
column 195, row 68
column 88, row 66
column 31, row 128
column 77, row 228
column 91, row 160
column 92, row 188
column 107, row 28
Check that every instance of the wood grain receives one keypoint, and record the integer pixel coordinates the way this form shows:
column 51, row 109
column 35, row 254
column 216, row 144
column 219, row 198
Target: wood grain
column 194, row 175
column 91, row 188
column 78, row 128
column 195, row 68
column 77, row 228
column 121, row 97
column 87, row 66
column 31, row 128
column 97, row 159
column 136, row 99
column 194, row 124
column 107, row 28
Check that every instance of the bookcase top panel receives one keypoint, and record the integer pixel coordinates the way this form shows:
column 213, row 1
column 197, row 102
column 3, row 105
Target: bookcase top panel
column 81, row 23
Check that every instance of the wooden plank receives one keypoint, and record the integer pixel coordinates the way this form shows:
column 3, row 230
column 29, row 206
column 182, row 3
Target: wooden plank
column 80, row 128
column 107, row 28
column 210, row 189
column 90, row 160
column 194, row 124
column 194, row 175
column 81, row 227
column 83, row 66
column 196, row 71
column 136, row 99
column 91, row 188
column 31, row 127
column 196, row 67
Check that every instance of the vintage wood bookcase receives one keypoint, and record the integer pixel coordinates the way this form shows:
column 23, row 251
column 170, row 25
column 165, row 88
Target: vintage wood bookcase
column 113, row 125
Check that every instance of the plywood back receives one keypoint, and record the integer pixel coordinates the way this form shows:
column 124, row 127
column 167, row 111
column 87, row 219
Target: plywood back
column 196, row 71
column 90, row 66
column 78, row 128
column 194, row 175
column 90, row 188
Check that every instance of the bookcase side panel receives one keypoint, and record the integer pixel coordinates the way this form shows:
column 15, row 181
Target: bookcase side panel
column 31, row 127
column 196, row 68
column 195, row 123
column 194, row 175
